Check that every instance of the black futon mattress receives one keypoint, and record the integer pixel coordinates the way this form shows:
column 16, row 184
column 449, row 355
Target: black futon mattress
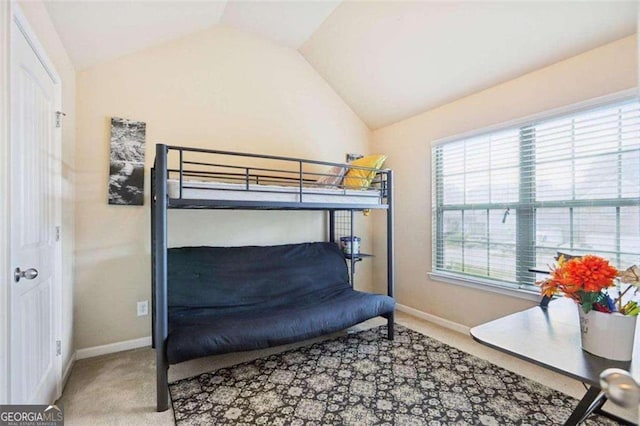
column 228, row 299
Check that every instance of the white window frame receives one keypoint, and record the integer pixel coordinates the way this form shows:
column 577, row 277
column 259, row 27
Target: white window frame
column 519, row 291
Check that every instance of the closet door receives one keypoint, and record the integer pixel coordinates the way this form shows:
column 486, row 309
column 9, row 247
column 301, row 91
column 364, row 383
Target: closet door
column 35, row 305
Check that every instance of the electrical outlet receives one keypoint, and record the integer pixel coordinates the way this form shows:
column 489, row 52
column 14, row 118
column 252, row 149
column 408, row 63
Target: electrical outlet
column 143, row 308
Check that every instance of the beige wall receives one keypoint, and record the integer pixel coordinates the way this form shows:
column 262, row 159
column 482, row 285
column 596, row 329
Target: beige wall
column 221, row 89
column 605, row 70
column 41, row 24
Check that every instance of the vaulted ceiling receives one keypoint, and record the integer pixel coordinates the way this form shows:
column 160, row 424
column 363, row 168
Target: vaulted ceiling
column 388, row 60
column 391, row 60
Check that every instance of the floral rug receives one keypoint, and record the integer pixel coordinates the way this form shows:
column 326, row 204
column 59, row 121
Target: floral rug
column 365, row 379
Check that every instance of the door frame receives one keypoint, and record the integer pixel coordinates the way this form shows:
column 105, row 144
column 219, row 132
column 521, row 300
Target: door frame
column 10, row 13
column 5, row 242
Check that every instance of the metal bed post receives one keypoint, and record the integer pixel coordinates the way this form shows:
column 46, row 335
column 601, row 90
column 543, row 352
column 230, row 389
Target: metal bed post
column 300, row 181
column 160, row 253
column 181, row 172
column 390, row 276
column 332, row 226
column 153, row 257
column 352, row 255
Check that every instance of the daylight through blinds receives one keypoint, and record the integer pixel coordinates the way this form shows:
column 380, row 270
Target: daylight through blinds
column 507, row 201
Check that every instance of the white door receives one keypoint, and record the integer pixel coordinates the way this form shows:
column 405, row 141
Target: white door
column 34, row 368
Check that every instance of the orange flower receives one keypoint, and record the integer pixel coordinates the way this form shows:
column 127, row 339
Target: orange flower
column 589, row 274
column 592, row 273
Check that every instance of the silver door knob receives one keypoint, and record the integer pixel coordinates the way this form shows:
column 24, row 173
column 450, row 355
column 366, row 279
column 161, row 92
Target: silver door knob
column 620, row 387
column 28, row 274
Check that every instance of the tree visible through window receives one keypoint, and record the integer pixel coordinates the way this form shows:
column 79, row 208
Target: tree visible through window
column 506, row 202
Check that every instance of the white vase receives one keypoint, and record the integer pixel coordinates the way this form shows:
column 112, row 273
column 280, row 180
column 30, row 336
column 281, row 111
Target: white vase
column 607, row 335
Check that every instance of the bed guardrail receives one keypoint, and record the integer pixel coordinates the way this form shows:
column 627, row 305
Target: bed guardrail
column 257, row 173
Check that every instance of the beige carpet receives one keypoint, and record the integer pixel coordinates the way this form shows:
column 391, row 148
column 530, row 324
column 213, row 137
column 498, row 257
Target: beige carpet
column 119, row 389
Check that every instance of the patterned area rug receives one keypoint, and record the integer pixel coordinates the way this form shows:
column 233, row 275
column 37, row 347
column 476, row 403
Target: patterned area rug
column 364, row 379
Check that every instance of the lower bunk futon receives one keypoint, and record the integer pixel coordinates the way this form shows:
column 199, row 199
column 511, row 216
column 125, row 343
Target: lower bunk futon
column 227, row 299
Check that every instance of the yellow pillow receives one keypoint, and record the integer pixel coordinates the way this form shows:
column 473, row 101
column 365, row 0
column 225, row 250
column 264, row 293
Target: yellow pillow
column 357, row 178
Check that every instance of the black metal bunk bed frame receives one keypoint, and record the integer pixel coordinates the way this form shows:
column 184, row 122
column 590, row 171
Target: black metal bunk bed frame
column 161, row 202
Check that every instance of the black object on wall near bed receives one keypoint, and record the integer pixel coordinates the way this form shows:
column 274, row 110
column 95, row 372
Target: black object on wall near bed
column 213, row 300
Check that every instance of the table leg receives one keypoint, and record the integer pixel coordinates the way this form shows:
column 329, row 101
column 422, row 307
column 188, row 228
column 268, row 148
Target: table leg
column 591, row 401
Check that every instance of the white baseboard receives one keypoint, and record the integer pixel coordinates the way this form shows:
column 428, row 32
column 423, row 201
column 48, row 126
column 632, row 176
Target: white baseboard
column 113, row 348
column 67, row 369
column 434, row 319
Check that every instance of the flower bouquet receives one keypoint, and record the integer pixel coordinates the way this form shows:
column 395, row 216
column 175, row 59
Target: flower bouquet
column 587, row 280
column 607, row 323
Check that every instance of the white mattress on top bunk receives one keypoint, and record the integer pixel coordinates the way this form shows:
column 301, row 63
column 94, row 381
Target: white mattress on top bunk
column 237, row 192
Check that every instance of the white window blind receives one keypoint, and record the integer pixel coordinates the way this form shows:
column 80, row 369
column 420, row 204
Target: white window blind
column 506, row 202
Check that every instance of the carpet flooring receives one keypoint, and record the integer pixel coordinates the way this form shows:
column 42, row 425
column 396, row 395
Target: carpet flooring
column 365, row 379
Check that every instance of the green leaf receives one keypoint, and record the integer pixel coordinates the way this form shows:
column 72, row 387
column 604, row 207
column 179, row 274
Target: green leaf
column 587, row 299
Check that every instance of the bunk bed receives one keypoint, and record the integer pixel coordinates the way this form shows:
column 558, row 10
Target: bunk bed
column 195, row 178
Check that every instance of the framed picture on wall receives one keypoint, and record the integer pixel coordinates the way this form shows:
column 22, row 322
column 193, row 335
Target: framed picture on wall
column 126, row 171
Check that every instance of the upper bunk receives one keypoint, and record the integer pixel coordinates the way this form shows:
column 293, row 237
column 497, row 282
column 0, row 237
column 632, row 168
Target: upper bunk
column 196, row 178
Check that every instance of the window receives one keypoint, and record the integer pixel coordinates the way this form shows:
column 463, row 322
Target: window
column 505, row 202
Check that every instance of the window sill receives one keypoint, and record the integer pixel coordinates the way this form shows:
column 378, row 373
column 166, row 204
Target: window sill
column 478, row 284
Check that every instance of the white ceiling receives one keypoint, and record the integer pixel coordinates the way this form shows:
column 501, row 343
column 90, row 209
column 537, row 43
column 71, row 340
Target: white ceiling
column 388, row 60
column 285, row 22
column 392, row 60
column 97, row 31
